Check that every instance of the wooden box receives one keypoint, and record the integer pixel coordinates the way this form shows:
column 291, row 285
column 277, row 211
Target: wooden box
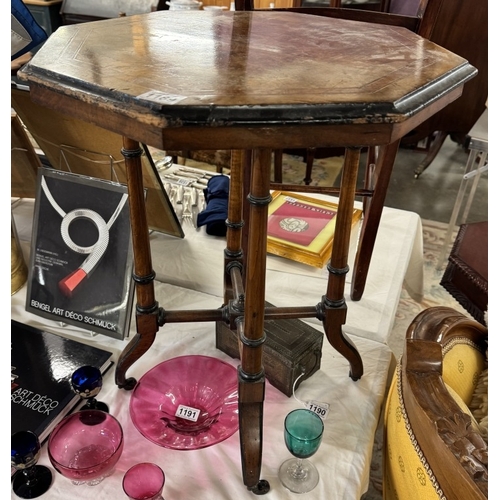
column 291, row 347
column 466, row 276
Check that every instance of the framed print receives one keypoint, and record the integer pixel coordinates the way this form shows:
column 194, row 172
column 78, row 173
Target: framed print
column 301, row 228
column 81, row 258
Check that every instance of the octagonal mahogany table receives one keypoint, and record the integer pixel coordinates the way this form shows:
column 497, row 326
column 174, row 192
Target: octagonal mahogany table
column 250, row 82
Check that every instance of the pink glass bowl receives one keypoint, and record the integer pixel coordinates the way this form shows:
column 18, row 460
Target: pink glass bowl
column 187, row 403
column 86, row 445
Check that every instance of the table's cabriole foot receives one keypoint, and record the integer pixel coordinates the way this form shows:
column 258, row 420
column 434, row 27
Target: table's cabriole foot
column 147, row 326
column 251, row 402
column 333, row 315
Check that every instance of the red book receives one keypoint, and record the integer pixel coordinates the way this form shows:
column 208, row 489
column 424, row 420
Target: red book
column 298, row 222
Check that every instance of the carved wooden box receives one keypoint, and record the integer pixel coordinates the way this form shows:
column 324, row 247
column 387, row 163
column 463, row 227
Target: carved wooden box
column 291, row 346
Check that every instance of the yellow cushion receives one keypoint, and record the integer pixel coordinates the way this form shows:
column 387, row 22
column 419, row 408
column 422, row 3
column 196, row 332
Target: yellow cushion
column 462, row 366
column 406, row 473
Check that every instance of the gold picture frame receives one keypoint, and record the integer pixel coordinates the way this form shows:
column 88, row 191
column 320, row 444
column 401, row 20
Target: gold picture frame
column 301, row 228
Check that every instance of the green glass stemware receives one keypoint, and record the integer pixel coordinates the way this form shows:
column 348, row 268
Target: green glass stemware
column 303, row 434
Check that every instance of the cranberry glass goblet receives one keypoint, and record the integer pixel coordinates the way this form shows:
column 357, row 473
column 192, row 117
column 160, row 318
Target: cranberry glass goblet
column 85, row 446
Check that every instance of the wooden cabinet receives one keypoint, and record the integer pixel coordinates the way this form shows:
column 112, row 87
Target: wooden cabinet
column 462, row 28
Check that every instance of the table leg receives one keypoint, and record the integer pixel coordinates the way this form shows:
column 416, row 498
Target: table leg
column 233, row 253
column 147, row 310
column 333, row 303
column 372, row 213
column 251, row 379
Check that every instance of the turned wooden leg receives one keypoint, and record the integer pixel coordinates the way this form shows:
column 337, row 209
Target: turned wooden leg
column 278, row 165
column 146, row 308
column 333, row 303
column 371, row 218
column 310, row 154
column 251, row 379
column 233, row 253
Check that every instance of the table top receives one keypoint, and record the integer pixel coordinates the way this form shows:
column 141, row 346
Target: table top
column 182, row 69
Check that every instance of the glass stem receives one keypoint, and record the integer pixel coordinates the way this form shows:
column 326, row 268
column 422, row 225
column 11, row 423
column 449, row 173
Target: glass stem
column 298, row 471
column 30, row 475
column 91, row 404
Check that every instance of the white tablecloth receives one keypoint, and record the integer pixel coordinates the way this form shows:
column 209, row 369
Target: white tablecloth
column 214, row 473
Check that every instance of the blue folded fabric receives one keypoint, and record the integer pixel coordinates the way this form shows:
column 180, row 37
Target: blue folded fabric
column 25, row 32
column 215, row 214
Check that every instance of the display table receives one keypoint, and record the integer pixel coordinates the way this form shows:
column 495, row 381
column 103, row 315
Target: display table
column 238, row 80
column 213, row 473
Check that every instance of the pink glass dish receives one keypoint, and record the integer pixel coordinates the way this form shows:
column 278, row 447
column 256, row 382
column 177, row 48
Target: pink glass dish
column 85, row 446
column 187, row 403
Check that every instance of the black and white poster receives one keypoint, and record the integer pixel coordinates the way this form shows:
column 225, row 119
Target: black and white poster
column 81, row 253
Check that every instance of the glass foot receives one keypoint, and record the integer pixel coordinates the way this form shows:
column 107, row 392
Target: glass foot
column 95, row 481
column 298, row 476
column 31, row 487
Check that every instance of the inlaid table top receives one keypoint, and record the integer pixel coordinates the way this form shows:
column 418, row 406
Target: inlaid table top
column 173, row 69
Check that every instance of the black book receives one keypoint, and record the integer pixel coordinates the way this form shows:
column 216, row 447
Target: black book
column 41, row 367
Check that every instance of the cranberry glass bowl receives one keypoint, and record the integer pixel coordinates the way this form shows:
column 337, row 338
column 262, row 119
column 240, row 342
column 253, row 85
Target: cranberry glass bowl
column 85, row 446
column 187, row 403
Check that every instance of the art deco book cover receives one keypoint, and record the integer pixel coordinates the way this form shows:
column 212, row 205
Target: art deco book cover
column 81, row 253
column 41, row 367
column 301, row 228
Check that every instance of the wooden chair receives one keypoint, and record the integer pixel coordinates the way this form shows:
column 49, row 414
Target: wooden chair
column 433, row 446
column 458, row 118
column 380, row 160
